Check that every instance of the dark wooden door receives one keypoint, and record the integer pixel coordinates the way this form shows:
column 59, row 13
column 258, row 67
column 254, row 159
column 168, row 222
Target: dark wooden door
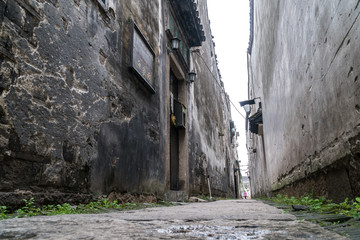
column 174, row 140
column 174, row 158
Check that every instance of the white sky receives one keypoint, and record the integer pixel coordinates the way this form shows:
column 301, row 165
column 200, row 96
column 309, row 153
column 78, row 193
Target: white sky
column 229, row 22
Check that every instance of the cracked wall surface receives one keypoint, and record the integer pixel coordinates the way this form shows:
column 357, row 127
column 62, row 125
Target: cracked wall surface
column 76, row 123
column 305, row 66
column 72, row 115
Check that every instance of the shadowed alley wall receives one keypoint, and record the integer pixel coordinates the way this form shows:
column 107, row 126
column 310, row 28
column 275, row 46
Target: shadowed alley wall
column 75, row 121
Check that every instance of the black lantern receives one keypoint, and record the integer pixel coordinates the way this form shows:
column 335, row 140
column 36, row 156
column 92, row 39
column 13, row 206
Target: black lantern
column 175, row 43
column 192, row 76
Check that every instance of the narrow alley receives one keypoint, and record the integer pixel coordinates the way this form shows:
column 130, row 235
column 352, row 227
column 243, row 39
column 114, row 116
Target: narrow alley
column 116, row 102
column 225, row 219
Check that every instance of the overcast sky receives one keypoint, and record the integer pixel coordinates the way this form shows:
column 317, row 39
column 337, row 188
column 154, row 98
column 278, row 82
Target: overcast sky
column 229, row 22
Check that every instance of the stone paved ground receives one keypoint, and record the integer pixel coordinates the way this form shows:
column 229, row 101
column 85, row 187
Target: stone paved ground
column 341, row 224
column 228, row 219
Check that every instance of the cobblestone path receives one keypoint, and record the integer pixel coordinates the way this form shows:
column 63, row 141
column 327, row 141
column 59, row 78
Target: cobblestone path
column 228, row 219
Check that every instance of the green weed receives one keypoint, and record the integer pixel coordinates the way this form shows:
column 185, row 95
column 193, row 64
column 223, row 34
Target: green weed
column 3, row 212
column 320, row 204
column 29, row 209
column 99, row 206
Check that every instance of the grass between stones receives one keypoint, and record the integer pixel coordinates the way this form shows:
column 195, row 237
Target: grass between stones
column 100, row 206
column 349, row 208
column 343, row 218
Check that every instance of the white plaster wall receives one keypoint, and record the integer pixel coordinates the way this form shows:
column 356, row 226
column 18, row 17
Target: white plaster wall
column 305, row 66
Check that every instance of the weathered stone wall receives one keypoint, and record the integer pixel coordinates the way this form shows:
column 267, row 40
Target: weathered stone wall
column 75, row 122
column 212, row 150
column 73, row 117
column 304, row 65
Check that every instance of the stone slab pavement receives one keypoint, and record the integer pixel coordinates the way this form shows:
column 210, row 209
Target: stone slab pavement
column 225, row 219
